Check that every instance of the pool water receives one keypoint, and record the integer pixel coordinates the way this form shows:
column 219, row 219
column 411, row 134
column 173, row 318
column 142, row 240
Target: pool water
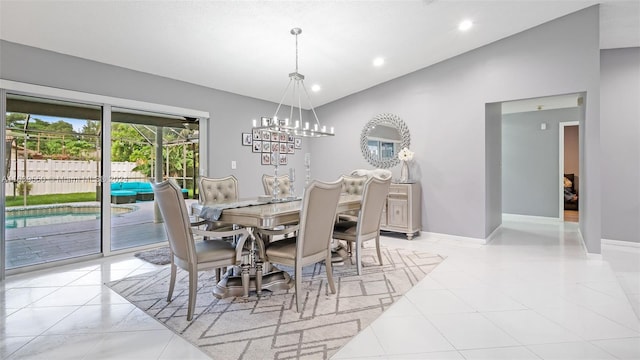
column 55, row 214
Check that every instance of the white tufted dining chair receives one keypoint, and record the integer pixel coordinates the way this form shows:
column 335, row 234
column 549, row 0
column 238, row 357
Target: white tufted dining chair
column 216, row 191
column 367, row 223
column 283, row 185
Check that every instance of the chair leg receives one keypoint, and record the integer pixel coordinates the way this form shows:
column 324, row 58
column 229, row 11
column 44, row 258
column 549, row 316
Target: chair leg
column 218, row 274
column 329, row 268
column 172, row 280
column 245, row 280
column 193, row 287
column 350, row 251
column 378, row 249
column 298, row 274
column 358, row 247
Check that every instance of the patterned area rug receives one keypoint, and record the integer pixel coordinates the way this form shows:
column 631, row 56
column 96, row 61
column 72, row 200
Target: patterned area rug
column 269, row 327
column 159, row 256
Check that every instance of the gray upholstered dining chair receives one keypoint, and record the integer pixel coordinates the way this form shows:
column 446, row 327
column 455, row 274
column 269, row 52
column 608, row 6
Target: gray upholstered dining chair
column 192, row 255
column 312, row 243
column 217, row 191
column 283, row 185
column 367, row 225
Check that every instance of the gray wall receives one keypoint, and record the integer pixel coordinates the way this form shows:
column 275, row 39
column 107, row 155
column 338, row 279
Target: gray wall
column 443, row 105
column 231, row 114
column 493, row 178
column 530, row 183
column 444, row 108
column 620, row 137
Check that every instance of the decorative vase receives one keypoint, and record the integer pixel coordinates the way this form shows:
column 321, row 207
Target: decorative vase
column 404, row 172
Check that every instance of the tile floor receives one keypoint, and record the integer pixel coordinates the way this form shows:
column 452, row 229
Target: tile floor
column 531, row 293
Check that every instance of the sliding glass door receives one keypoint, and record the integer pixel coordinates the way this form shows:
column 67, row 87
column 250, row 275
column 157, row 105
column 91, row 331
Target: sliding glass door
column 146, row 146
column 52, row 173
column 76, row 173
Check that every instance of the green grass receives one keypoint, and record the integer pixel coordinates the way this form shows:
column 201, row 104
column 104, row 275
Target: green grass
column 50, row 199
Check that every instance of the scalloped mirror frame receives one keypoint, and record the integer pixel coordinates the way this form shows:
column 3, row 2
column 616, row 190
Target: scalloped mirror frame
column 388, row 120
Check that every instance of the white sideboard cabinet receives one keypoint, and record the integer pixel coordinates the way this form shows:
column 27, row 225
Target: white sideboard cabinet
column 403, row 210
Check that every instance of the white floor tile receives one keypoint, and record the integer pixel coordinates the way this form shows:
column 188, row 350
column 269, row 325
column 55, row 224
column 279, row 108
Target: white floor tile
column 21, row 297
column 403, row 307
column 441, row 355
column 140, row 345
column 627, row 349
column 69, row 295
column 180, row 349
column 9, row 345
column 34, row 321
column 574, row 350
column 586, row 324
column 92, row 319
column 437, row 302
column 506, row 353
column 471, row 331
column 365, row 344
column 487, row 299
column 408, row 335
column 529, row 327
column 62, row 347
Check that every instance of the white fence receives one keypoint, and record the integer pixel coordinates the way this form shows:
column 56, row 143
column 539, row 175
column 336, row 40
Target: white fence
column 66, row 176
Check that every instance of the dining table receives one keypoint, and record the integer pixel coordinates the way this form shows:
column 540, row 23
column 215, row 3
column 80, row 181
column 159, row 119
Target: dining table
column 255, row 214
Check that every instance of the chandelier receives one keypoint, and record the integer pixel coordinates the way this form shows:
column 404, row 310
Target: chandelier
column 289, row 125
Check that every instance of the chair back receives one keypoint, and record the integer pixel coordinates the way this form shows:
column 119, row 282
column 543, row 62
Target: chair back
column 218, row 190
column 353, row 184
column 379, row 173
column 168, row 196
column 283, row 184
column 374, row 197
column 317, row 218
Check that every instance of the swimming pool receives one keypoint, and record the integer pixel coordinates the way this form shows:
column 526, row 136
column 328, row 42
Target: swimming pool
column 21, row 217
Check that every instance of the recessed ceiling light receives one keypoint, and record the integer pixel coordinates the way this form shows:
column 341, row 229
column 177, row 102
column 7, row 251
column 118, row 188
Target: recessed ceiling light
column 378, row 61
column 315, row 88
column 465, row 25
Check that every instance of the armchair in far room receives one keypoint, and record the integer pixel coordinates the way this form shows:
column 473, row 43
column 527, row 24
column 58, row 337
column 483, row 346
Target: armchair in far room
column 571, row 191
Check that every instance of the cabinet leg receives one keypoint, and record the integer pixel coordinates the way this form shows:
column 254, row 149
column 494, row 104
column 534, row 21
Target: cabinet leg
column 409, row 236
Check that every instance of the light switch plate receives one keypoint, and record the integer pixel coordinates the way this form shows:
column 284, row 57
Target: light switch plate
column 233, row 164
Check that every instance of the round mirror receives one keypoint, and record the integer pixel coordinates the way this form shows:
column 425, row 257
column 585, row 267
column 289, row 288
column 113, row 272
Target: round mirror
column 382, row 138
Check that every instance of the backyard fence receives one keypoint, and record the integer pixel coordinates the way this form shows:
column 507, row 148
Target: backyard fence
column 65, row 176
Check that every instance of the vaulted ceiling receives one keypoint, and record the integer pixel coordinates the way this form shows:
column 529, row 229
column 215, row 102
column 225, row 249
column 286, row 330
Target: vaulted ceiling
column 245, row 46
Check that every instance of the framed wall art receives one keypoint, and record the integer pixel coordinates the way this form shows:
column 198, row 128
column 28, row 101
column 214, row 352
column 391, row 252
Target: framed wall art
column 247, row 139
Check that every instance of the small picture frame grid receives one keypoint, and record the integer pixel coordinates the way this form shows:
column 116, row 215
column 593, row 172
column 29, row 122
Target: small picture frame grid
column 265, row 143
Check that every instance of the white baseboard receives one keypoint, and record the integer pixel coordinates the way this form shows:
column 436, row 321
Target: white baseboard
column 455, row 238
column 621, row 245
column 531, row 218
column 492, row 235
